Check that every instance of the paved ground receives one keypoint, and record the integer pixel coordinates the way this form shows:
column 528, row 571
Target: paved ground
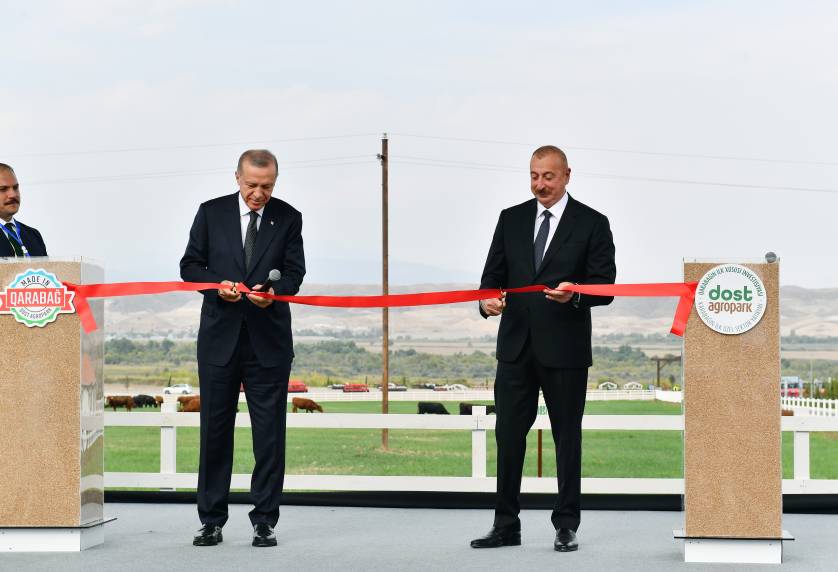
column 150, row 537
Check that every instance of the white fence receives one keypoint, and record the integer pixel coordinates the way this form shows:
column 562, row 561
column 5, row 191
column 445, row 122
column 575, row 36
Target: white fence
column 669, row 396
column 620, row 395
column 478, row 424
column 811, row 406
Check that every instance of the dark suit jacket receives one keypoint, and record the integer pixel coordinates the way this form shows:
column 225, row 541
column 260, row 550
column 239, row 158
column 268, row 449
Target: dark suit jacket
column 31, row 239
column 581, row 251
column 215, row 253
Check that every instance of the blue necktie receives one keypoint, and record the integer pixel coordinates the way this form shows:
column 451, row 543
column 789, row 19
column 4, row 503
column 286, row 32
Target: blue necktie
column 15, row 244
column 541, row 239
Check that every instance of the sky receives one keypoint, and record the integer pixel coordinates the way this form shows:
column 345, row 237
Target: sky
column 701, row 129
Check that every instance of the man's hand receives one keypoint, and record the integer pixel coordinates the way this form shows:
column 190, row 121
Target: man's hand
column 229, row 294
column 559, row 294
column 494, row 306
column 260, row 301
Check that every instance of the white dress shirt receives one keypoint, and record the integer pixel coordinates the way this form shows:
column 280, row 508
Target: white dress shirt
column 556, row 210
column 245, row 217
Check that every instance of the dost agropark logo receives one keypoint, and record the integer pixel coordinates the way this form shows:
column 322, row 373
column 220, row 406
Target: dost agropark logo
column 730, row 299
column 35, row 298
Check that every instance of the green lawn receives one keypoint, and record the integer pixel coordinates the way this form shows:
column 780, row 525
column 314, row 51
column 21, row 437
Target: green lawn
column 447, row 453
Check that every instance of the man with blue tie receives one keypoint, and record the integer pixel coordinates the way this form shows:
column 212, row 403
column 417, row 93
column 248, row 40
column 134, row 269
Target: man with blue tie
column 244, row 339
column 544, row 339
column 20, row 240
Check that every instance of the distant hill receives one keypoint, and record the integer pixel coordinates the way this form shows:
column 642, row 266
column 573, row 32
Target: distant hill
column 804, row 312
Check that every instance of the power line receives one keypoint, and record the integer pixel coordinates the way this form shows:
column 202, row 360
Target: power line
column 186, row 146
column 419, row 161
column 711, row 183
column 428, row 162
column 311, row 163
column 453, row 162
column 629, row 151
column 419, row 136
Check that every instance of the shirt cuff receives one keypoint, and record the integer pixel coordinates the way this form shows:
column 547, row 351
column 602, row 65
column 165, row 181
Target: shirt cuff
column 577, row 297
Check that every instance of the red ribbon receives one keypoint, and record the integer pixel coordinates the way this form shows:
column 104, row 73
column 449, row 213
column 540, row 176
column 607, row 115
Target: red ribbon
column 684, row 290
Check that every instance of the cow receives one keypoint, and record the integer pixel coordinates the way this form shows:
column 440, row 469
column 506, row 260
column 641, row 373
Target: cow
column 184, row 399
column 309, row 405
column 158, row 399
column 193, row 405
column 115, row 401
column 432, row 407
column 144, row 401
column 465, row 408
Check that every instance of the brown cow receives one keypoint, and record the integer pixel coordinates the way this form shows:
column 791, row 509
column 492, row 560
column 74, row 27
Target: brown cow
column 115, row 401
column 193, row 405
column 159, row 400
column 184, row 400
column 308, row 404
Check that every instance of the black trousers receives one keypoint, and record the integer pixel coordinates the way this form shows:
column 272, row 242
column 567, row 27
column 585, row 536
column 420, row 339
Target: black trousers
column 516, row 400
column 266, row 390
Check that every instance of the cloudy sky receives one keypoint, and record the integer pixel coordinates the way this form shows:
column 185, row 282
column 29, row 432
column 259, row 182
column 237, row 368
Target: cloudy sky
column 702, row 129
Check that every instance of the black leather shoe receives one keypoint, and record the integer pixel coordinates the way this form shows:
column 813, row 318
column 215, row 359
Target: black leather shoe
column 566, row 540
column 263, row 535
column 208, row 535
column 498, row 537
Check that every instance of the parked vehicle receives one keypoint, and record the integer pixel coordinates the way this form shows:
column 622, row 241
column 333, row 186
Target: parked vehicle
column 393, row 387
column 336, row 386
column 451, row 387
column 178, row 389
column 355, row 388
column 791, row 386
column 297, row 386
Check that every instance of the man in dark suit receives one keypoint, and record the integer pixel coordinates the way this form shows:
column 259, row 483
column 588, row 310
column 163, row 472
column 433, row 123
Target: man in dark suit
column 20, row 240
column 544, row 340
column 244, row 339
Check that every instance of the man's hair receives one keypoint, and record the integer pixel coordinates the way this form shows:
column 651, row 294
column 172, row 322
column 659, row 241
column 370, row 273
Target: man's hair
column 257, row 158
column 4, row 168
column 545, row 150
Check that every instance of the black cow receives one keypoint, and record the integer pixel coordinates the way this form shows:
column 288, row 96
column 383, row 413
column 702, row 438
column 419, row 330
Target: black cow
column 144, row 401
column 465, row 408
column 432, row 407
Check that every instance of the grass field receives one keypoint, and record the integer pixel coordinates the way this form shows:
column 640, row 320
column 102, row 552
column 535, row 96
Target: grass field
column 447, row 453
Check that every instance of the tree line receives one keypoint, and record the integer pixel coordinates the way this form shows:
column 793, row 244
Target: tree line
column 337, row 360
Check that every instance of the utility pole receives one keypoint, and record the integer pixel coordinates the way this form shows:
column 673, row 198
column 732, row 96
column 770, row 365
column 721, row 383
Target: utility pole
column 385, row 289
column 662, row 363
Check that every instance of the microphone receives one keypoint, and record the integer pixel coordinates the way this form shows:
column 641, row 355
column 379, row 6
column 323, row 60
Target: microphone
column 273, row 276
